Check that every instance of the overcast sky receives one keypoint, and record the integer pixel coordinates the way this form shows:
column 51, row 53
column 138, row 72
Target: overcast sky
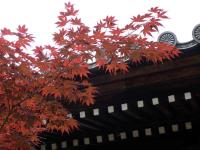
column 40, row 15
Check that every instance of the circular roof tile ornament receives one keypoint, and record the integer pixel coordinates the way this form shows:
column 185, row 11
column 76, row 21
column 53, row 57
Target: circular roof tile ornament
column 196, row 33
column 168, row 37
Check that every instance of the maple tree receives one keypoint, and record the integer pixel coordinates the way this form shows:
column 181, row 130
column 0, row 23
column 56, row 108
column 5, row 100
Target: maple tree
column 33, row 87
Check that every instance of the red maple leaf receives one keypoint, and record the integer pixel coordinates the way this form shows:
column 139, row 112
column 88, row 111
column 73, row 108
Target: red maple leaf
column 62, row 21
column 6, row 31
column 76, row 21
column 139, row 18
column 22, row 29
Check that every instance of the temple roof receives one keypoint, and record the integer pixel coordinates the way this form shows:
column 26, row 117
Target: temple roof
column 150, row 107
column 170, row 37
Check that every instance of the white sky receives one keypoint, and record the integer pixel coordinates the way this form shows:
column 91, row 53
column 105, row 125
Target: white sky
column 40, row 15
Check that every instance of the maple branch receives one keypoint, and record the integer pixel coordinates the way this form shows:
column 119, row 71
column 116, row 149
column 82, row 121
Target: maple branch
column 6, row 119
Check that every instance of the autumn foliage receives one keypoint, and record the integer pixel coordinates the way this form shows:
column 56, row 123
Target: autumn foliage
column 34, row 85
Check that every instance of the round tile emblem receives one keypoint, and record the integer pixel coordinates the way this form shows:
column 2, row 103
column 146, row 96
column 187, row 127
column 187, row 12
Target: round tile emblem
column 168, row 37
column 196, row 33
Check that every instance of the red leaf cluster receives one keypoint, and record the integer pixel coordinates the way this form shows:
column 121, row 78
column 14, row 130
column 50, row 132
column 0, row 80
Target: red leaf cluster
column 34, row 87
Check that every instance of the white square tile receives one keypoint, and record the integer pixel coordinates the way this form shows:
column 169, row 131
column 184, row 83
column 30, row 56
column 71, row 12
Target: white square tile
column 82, row 114
column 135, row 133
column 188, row 95
column 161, row 130
column 111, row 109
column 188, row 125
column 175, row 128
column 96, row 112
column 124, row 107
column 42, row 147
column 155, row 101
column 53, row 146
column 64, row 144
column 140, row 104
column 148, row 132
column 86, row 141
column 111, row 137
column 75, row 142
column 123, row 135
column 99, row 139
column 171, row 98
